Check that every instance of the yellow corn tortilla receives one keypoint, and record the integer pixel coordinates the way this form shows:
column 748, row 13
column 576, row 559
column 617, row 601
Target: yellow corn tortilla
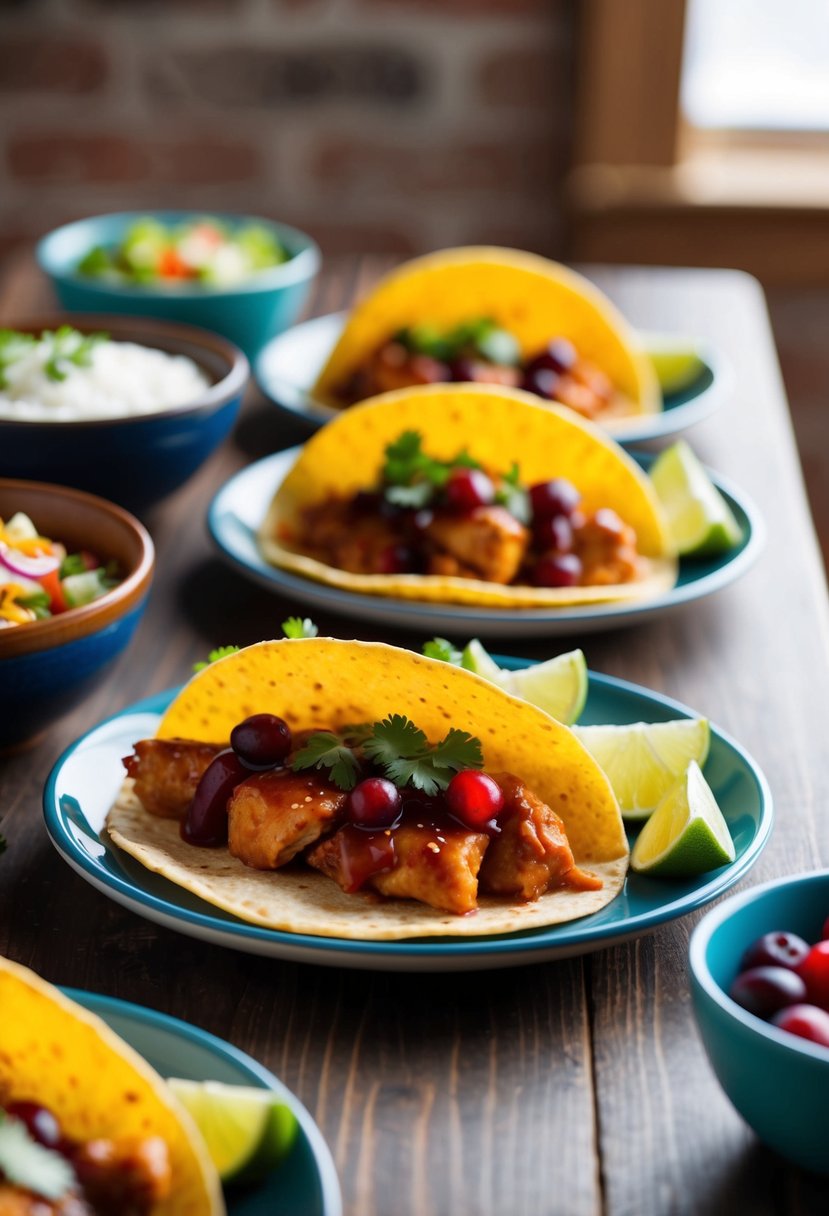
column 498, row 426
column 58, row 1054
column 532, row 297
column 322, row 682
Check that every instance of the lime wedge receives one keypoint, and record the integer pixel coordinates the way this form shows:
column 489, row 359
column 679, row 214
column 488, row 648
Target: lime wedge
column 247, row 1131
column 676, row 367
column 699, row 519
column 644, row 760
column 558, row 686
column 686, row 835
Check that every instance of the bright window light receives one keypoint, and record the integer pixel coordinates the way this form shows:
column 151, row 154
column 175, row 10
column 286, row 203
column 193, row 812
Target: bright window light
column 757, row 65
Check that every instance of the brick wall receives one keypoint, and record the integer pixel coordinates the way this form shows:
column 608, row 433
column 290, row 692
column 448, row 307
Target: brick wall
column 386, row 125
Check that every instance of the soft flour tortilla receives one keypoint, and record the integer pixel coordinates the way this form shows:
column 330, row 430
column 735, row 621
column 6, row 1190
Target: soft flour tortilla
column 56, row 1053
column 497, row 426
column 321, row 682
column 532, row 297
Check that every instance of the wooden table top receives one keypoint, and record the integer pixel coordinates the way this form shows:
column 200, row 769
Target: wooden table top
column 575, row 1088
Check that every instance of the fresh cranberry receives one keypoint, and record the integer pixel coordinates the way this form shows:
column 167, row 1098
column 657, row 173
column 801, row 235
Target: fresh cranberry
column 541, row 381
column 777, row 949
column 557, row 570
column 206, row 822
column 396, row 559
column 474, row 798
column 40, row 1123
column 765, row 990
column 261, row 741
column 374, row 803
column 555, row 533
column 814, row 971
column 807, row 1021
column 556, row 497
column 467, row 489
column 558, row 356
column 463, row 369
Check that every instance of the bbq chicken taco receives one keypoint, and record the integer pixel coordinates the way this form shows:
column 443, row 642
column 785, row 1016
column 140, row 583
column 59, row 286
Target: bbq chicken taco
column 497, row 316
column 87, row 1128
column 470, row 495
column 356, row 790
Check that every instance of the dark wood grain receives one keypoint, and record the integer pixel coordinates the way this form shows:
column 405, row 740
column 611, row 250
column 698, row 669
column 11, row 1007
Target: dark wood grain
column 572, row 1088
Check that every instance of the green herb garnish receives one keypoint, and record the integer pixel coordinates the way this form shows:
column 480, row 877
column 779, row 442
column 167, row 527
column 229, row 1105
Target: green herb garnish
column 440, row 648
column 27, row 1164
column 73, row 563
column 299, row 627
column 63, row 348
column 480, row 338
column 398, row 747
column 38, row 602
column 221, row 652
column 327, row 750
column 411, row 478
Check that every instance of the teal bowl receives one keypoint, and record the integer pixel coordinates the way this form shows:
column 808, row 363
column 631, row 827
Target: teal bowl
column 778, row 1082
column 249, row 313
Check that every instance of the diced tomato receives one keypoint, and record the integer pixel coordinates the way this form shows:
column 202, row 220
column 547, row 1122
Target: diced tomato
column 172, row 266
column 51, row 585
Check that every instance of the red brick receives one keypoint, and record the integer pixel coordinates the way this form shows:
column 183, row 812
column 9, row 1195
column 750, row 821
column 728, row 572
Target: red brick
column 206, row 160
column 507, row 166
column 370, row 73
column 106, row 157
column 30, row 63
column 64, row 156
column 528, row 77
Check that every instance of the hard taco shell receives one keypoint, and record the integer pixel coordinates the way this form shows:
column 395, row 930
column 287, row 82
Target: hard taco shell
column 328, row 683
column 532, row 297
column 56, row 1053
column 497, row 426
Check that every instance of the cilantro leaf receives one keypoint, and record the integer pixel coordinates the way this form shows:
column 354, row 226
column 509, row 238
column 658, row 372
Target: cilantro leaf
column 221, row 652
column 440, row 648
column 299, row 627
column 25, row 1163
column 402, row 750
column 326, row 750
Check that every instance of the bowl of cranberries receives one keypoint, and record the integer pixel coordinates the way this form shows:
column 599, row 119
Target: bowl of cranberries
column 759, row 965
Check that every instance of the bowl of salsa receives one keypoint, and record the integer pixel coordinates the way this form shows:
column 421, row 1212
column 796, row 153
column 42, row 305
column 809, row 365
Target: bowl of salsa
column 244, row 277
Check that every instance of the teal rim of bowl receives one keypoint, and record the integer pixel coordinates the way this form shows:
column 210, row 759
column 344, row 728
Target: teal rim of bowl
column 697, row 957
column 300, row 266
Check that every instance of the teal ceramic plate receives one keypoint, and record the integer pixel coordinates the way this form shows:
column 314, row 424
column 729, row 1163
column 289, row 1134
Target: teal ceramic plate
column 86, row 778
column 240, row 506
column 289, row 365
column 305, row 1183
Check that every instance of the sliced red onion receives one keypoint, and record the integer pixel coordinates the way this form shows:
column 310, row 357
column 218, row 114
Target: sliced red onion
column 28, row 567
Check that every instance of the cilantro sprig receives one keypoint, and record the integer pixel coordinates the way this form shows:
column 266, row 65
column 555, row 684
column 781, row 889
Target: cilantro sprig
column 220, row 652
column 62, row 348
column 441, row 648
column 396, row 746
column 480, row 337
column 412, row 479
column 299, row 627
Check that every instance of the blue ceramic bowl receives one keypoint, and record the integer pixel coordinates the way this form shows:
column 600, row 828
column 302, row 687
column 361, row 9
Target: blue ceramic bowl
column 47, row 667
column 137, row 460
column 249, row 314
column 778, row 1082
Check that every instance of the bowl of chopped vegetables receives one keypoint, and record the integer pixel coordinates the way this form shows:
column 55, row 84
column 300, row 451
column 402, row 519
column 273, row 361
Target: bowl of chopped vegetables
column 125, row 407
column 241, row 276
column 75, row 571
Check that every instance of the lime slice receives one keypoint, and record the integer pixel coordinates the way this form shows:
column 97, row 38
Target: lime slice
column 686, row 835
column 699, row 519
column 247, row 1131
column 676, row 367
column 644, row 760
column 558, row 686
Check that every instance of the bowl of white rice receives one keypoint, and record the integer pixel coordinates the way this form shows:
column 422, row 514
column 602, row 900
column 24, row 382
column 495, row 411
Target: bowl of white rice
column 124, row 407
